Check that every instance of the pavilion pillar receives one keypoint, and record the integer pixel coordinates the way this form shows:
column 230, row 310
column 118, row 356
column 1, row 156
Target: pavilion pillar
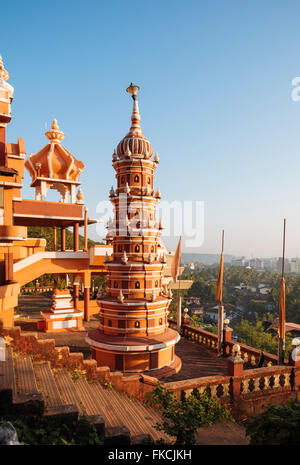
column 2, row 145
column 54, row 239
column 85, row 247
column 63, row 239
column 86, row 304
column 8, row 267
column 76, row 295
column 76, row 237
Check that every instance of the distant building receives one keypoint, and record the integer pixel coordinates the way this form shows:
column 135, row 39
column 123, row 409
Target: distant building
column 295, row 265
column 238, row 261
column 193, row 301
column 213, row 313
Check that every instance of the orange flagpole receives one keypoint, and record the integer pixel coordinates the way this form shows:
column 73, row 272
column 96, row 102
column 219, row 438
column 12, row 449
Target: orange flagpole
column 281, row 316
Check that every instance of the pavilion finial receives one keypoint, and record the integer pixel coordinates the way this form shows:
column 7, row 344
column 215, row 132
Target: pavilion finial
column 54, row 134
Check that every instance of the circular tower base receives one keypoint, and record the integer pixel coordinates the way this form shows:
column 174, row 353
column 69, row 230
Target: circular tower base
column 150, row 355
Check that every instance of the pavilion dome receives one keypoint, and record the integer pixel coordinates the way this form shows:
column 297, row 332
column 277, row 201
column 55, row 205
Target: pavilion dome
column 54, row 161
column 134, row 143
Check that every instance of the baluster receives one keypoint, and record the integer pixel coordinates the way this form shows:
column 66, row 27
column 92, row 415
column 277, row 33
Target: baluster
column 246, row 386
column 276, row 381
column 226, row 390
column 213, row 390
column 252, row 362
column 267, row 382
column 256, row 384
column 188, row 392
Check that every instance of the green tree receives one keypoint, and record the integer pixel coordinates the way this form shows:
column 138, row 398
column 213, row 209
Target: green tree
column 277, row 425
column 183, row 418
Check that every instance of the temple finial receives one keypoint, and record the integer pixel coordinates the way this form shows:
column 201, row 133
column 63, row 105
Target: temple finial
column 133, row 90
column 135, row 117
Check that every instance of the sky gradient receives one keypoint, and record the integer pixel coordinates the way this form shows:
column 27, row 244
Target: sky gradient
column 215, row 102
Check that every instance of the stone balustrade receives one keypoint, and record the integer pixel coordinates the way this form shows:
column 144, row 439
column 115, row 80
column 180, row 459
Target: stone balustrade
column 250, row 355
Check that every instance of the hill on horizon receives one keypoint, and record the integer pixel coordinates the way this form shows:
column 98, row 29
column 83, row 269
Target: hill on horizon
column 204, row 259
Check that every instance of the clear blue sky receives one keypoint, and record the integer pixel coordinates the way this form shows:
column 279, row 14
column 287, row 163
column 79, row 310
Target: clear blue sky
column 215, row 102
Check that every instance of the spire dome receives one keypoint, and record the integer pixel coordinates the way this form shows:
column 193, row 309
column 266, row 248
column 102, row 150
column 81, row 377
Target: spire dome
column 134, row 144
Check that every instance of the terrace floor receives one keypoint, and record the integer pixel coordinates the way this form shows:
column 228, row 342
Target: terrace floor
column 197, row 361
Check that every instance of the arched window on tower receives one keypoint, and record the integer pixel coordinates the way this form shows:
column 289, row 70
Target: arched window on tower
column 156, row 283
column 160, row 321
column 137, row 248
column 119, row 248
column 122, row 179
column 149, row 181
column 137, row 324
column 137, row 285
column 136, row 178
column 152, row 249
column 115, row 284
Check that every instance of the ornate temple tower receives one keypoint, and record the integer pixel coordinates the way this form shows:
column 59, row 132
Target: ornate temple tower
column 133, row 335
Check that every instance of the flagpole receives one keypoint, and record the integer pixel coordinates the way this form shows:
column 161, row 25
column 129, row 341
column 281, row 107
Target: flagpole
column 221, row 312
column 179, row 300
column 281, row 319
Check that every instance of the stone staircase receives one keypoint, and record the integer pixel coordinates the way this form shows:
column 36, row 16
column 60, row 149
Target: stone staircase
column 28, row 387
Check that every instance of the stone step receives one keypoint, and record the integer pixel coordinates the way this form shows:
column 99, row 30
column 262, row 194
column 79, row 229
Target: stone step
column 26, row 394
column 7, row 380
column 94, row 405
column 69, row 396
column 118, row 407
column 54, row 404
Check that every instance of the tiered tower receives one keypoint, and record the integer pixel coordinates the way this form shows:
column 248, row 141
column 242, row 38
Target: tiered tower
column 133, row 334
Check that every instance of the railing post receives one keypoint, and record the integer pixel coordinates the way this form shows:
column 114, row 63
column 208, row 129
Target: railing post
column 235, row 369
column 227, row 335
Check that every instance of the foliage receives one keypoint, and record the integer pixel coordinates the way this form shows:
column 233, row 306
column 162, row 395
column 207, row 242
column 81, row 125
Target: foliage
column 107, row 385
column 183, row 418
column 278, row 425
column 77, row 374
column 255, row 335
column 41, row 430
column 174, row 303
column 46, row 232
column 60, row 284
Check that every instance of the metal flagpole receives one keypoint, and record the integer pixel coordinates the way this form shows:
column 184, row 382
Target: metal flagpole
column 281, row 319
column 221, row 310
column 179, row 315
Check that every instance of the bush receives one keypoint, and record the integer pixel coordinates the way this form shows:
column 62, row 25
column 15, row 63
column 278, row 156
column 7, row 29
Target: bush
column 183, row 418
column 40, row 430
column 277, row 425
